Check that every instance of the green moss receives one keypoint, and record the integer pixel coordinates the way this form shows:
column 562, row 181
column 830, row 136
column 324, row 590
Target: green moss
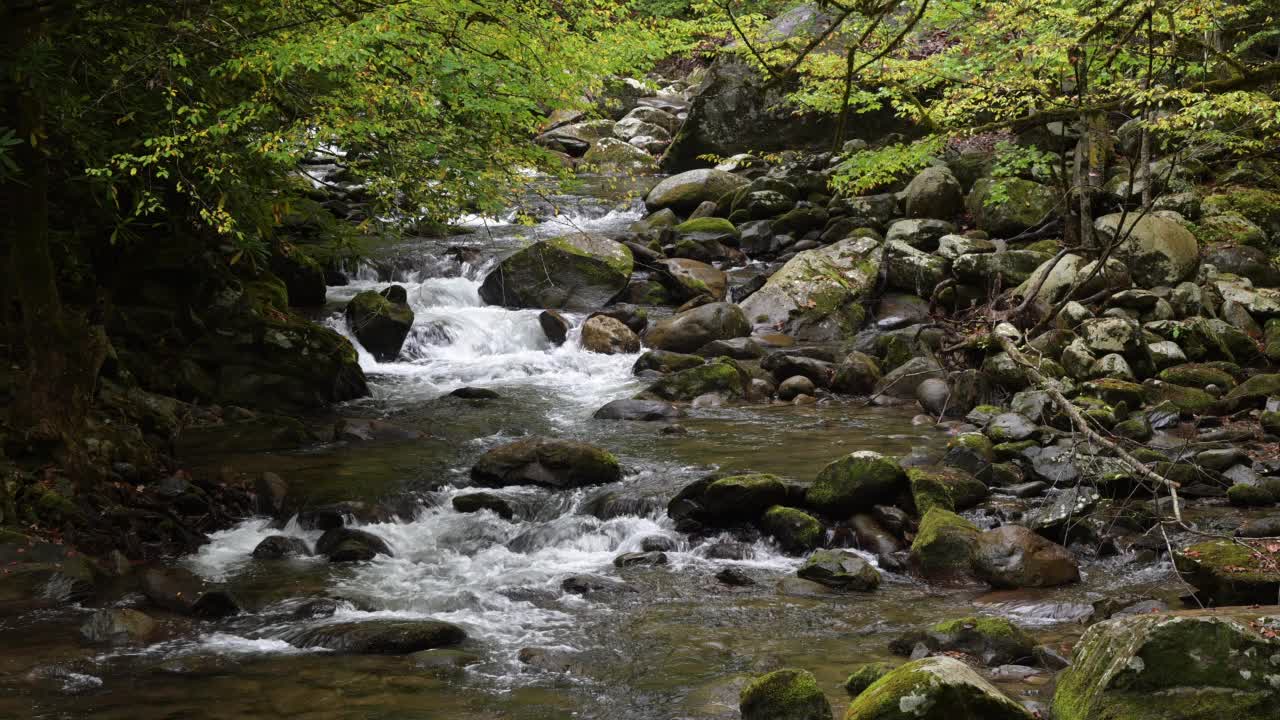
column 864, row 676
column 944, row 544
column 1116, row 391
column 935, row 688
column 945, row 487
column 1260, row 495
column 787, row 694
column 853, row 483
column 267, row 292
column 795, row 530
column 1271, row 422
column 976, row 442
column 1013, row 450
column 708, row 225
column 1186, row 399
column 996, row 629
column 1261, row 207
column 893, row 351
column 721, row 375
column 1255, row 390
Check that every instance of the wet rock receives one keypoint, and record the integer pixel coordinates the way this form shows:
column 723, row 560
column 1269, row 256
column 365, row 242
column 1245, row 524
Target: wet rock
column 873, row 537
column 180, row 591
column 585, row 272
column 734, row 577
column 608, row 336
column 117, row 626
column 1199, row 665
column 554, row 326
column 1229, row 573
column 550, row 659
column 1058, row 519
column 377, row 637
column 949, row 488
column 787, row 694
column 442, row 660
column 379, row 323
column 685, row 191
column 934, row 688
column 633, row 559
column 686, row 279
column 276, row 547
column 1013, row 556
column 547, row 462
column 840, row 569
column 785, row 364
column 641, row 410
column 993, row 640
column 665, row 362
column 857, row 374
column 944, row 547
column 591, row 585
column 658, row 543
column 855, row 482
column 795, row 530
column 687, row 331
column 795, row 386
column 475, row 502
column 904, row 380
column 816, row 295
column 270, row 490
column 351, row 545
column 475, row 393
column 372, row 430
column 741, row 497
column 723, row 376
column 864, row 676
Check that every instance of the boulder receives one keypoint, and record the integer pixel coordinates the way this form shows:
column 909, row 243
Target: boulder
column 665, row 362
column 687, row 331
column 741, row 498
column 1195, row 665
column 642, row 410
column 379, row 323
column 276, row 547
column 685, row 191
column 786, row 694
column 345, row 544
column 608, row 336
column 1158, row 251
column 912, row 270
column 796, row 531
column 993, row 640
column 817, row 294
column 1003, row 269
column 117, row 626
column 854, row 483
column 857, row 374
column 904, row 380
column 723, row 376
column 946, row 487
column 944, row 547
column 1012, row 556
column 613, row 156
column 547, row 462
column 178, row 590
column 686, row 279
column 477, row 501
column 376, row 637
column 923, row 234
column 934, row 688
column 1229, row 573
column 933, row 193
column 1008, row 206
column 574, row 272
column 554, row 326
column 840, row 569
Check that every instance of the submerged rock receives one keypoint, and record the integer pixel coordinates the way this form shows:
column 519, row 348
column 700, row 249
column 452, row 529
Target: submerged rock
column 345, row 544
column 786, row 694
column 179, row 590
column 548, row 462
column 935, row 688
column 281, row 546
column 377, row 637
column 117, row 625
column 477, row 501
column 1198, row 665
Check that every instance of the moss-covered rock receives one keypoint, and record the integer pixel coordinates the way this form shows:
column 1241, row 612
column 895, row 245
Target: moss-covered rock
column 1259, row 494
column 722, row 375
column 796, row 531
column 864, row 676
column 787, row 694
column 840, row 569
column 549, row 462
column 613, row 156
column 935, row 688
column 1198, row 375
column 946, row 487
column 817, row 294
column 1157, row 250
column 1261, row 207
column 1187, row 399
column 1008, row 206
column 1230, row 573
column 1254, row 391
column 857, row 374
column 686, row 191
column 994, row 640
column 944, row 546
column 855, row 482
column 665, row 362
column 379, row 322
column 741, row 498
column 574, row 272
column 1201, row 665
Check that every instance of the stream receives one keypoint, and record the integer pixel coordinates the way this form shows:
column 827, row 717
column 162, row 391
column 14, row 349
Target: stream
column 655, row 643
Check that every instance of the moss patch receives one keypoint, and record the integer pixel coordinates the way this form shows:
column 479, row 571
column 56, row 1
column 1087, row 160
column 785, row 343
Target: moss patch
column 945, row 487
column 945, row 544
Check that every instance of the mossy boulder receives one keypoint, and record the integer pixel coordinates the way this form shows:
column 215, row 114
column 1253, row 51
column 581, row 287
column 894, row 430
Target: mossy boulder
column 1187, row 399
column 665, row 362
column 933, row 193
column 613, row 156
column 380, row 321
column 944, row 546
column 687, row 331
column 722, row 375
column 1230, row 573
column 1157, row 250
column 574, row 272
column 855, row 482
column 946, row 487
column 796, row 531
column 1198, row 375
column 864, row 676
column 741, row 498
column 685, row 279
column 857, row 374
column 935, row 688
column 1199, row 665
column 1261, row 207
column 1254, row 391
column 787, row 694
column 840, row 569
column 547, row 462
column 709, row 226
column 817, row 294
column 1008, row 206
column 993, row 640
column 684, row 192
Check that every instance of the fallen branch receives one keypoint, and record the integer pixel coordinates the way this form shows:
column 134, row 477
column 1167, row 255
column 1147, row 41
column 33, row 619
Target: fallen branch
column 1081, row 424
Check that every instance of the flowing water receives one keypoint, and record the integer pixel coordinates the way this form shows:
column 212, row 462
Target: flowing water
column 663, row 642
